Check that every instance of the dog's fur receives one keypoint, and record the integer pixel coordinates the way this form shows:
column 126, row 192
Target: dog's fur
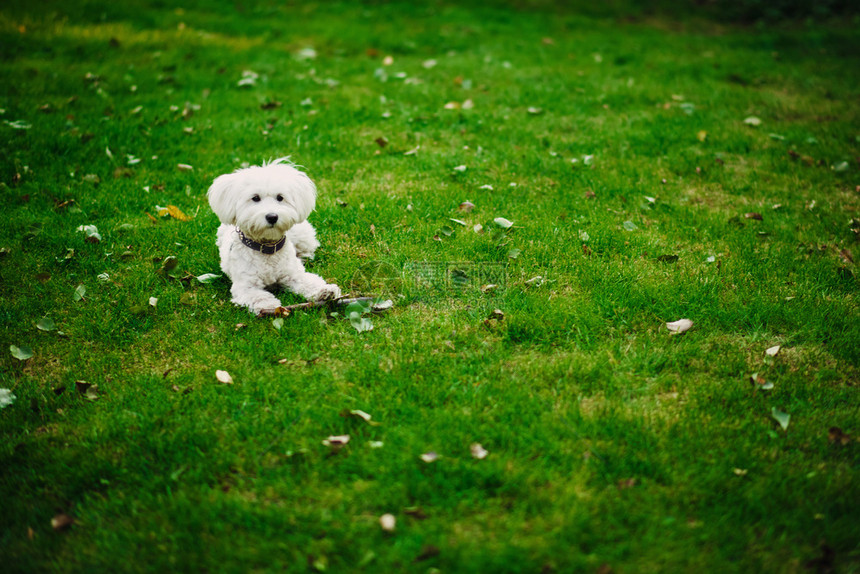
column 265, row 203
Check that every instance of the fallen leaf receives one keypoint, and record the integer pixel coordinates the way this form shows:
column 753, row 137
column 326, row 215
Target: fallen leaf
column 752, row 121
column 207, row 278
column 753, row 215
column 21, row 353
column 224, row 377
column 761, row 382
column 427, row 551
column 381, row 141
column 478, row 451
column 772, row 351
column 61, row 522
column 387, row 522
column 837, row 436
column 429, row 457
column 89, row 390
column 702, row 135
column 6, row 398
column 92, row 233
column 46, row 324
column 336, row 441
column 629, row 226
column 534, row 111
column 184, row 167
column 503, row 223
column 780, row 417
column 679, row 326
column 668, row 258
column 739, row 471
column 173, row 212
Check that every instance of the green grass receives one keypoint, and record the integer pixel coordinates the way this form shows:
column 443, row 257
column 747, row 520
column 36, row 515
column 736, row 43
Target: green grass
column 614, row 446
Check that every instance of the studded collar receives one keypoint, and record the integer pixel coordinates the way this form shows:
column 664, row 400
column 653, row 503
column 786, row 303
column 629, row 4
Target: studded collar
column 265, row 248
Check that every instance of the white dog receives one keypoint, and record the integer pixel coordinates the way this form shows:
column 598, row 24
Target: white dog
column 263, row 233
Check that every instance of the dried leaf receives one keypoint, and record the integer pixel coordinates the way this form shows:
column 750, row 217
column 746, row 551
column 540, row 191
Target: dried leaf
column 173, row 212
column 336, row 441
column 387, row 522
column 224, row 377
column 503, row 223
column 679, row 326
column 837, row 436
column 761, row 382
column 753, row 215
column 752, row 121
column 772, row 351
column 467, row 206
column 61, row 522
column 478, row 451
column 184, row 167
column 429, row 457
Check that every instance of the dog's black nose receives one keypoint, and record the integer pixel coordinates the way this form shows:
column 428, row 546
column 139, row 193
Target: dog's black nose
column 272, row 218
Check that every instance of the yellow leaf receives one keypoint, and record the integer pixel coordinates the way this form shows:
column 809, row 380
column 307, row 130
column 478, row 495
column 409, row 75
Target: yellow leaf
column 176, row 213
column 702, row 135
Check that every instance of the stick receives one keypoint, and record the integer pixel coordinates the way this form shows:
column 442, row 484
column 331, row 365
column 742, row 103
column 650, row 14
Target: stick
column 340, row 302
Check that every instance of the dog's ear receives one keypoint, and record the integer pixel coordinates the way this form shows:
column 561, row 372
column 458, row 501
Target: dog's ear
column 306, row 199
column 222, row 198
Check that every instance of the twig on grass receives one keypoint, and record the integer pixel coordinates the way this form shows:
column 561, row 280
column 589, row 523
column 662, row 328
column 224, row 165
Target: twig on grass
column 284, row 311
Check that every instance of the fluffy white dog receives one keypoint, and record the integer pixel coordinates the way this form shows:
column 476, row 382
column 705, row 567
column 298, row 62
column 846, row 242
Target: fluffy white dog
column 264, row 231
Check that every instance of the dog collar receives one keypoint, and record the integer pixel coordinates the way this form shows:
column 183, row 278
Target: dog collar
column 265, row 248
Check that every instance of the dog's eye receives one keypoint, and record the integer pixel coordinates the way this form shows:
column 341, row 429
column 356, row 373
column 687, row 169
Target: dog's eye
column 255, row 198
column 280, row 197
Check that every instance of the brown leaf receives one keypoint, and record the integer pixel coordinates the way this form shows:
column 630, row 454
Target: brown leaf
column 753, row 215
column 270, row 105
column 61, row 522
column 381, row 141
column 427, row 552
column 837, row 436
column 415, row 512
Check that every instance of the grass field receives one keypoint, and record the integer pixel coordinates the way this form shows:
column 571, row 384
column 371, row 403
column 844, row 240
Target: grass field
column 652, row 169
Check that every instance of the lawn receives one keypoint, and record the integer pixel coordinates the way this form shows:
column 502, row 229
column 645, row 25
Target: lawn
column 538, row 191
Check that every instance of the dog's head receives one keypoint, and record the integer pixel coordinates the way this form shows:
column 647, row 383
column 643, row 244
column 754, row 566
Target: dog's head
column 263, row 201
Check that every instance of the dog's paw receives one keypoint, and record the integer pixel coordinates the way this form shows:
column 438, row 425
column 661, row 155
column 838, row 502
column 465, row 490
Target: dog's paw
column 328, row 292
